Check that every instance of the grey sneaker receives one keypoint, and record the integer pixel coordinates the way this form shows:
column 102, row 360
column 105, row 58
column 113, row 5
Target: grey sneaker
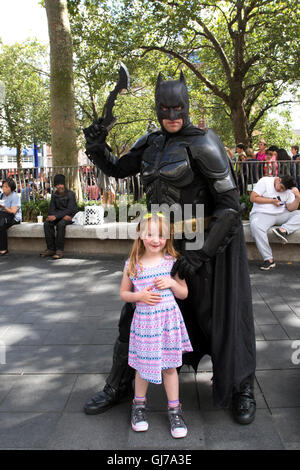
column 139, row 417
column 178, row 427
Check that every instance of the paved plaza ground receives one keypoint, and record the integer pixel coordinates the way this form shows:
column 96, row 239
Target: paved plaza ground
column 58, row 323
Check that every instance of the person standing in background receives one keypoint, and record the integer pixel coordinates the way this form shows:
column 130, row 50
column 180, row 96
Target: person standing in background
column 261, row 154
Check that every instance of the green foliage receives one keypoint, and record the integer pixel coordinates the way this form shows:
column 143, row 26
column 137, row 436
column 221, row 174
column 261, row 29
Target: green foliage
column 236, row 56
column 24, row 115
column 276, row 131
column 31, row 209
column 245, row 200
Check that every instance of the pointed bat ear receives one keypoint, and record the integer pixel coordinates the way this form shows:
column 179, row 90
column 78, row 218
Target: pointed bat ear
column 159, row 80
column 182, row 77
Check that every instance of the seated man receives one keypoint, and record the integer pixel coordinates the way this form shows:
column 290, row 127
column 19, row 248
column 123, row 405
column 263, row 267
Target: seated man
column 62, row 209
column 275, row 202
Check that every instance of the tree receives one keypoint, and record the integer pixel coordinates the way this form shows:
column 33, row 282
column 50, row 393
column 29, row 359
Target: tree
column 96, row 66
column 63, row 126
column 242, row 51
column 24, row 109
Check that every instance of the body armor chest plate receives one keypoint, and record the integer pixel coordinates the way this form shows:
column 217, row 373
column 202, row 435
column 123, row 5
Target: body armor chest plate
column 165, row 170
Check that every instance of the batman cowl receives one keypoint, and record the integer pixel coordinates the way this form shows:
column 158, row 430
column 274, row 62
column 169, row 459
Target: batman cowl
column 172, row 100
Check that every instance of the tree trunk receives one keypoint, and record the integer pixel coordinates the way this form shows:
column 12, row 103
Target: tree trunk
column 63, row 130
column 19, row 157
column 240, row 124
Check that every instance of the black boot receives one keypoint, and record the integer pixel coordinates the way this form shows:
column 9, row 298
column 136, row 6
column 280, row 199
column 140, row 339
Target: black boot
column 118, row 386
column 244, row 405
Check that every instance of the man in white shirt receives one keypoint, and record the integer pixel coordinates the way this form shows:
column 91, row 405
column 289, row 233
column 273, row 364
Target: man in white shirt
column 275, row 202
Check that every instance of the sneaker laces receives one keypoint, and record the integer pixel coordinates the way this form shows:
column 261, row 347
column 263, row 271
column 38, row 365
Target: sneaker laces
column 139, row 412
column 176, row 418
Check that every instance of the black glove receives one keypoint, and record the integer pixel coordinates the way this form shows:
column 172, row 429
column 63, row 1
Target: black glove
column 188, row 264
column 183, row 268
column 96, row 133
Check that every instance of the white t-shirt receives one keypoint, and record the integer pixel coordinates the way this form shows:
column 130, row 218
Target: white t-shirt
column 265, row 187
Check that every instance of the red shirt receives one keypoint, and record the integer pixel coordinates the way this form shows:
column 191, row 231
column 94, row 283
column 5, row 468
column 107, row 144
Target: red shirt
column 260, row 156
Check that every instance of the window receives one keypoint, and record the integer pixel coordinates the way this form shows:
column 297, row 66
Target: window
column 11, row 159
column 27, row 159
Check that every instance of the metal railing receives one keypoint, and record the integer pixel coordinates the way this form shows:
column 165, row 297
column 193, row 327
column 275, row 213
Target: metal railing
column 94, row 185
column 249, row 172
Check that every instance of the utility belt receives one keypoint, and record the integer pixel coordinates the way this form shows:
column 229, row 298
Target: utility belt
column 194, row 225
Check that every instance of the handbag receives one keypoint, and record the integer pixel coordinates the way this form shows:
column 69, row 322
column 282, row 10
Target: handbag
column 93, row 215
column 6, row 219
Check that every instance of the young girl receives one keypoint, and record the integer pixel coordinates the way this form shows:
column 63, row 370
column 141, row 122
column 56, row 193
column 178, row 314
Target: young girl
column 158, row 335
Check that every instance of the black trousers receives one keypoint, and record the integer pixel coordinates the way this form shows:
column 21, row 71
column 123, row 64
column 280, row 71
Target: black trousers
column 7, row 220
column 56, row 242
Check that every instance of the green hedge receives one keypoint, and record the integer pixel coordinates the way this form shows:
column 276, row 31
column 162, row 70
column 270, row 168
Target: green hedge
column 31, row 209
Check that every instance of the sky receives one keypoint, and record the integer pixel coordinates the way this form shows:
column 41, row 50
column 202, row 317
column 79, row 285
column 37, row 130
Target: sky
column 23, row 19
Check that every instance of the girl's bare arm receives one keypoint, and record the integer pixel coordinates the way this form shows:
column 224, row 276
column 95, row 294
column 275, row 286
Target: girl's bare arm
column 177, row 285
column 145, row 295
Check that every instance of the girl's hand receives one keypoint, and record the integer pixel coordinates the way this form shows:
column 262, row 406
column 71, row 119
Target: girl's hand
column 148, row 297
column 164, row 283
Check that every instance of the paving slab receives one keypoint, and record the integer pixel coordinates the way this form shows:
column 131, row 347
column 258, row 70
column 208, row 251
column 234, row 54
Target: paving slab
column 258, row 332
column 72, row 359
column 25, row 334
column 287, row 423
column 272, row 332
column 291, row 324
column 85, row 387
column 77, row 431
column 205, row 364
column 281, row 387
column 41, row 318
column 38, row 393
column 6, row 384
column 221, row 433
column 68, row 333
column 27, row 430
column 295, row 306
column 105, row 336
column 274, row 355
column 263, row 315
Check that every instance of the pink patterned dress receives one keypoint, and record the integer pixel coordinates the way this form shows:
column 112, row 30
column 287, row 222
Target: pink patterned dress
column 158, row 336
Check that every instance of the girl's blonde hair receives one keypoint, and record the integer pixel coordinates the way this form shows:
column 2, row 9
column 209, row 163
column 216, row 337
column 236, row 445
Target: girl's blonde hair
column 138, row 248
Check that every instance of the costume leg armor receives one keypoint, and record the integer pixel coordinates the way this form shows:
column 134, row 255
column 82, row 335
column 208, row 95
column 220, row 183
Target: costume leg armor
column 119, row 382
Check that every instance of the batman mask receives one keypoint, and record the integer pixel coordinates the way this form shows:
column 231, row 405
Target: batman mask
column 172, row 100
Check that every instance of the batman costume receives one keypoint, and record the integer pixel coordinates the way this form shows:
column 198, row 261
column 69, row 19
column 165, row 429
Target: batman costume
column 190, row 166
